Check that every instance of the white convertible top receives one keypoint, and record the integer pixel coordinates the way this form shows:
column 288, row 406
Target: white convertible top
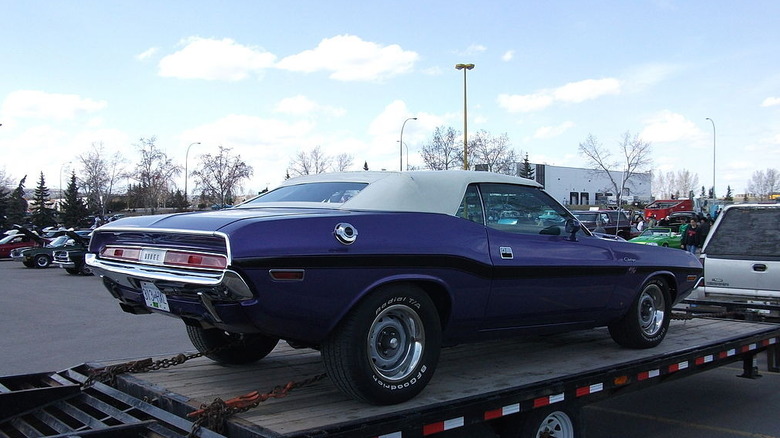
column 418, row 191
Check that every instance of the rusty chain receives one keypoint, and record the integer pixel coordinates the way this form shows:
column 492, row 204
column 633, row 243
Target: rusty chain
column 216, row 414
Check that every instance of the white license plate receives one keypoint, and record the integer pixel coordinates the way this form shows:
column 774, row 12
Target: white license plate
column 152, row 256
column 154, row 297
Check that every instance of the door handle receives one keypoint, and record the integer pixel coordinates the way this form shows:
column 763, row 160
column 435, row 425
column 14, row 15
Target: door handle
column 759, row 267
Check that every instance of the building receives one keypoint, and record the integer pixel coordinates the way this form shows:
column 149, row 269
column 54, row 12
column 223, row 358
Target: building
column 576, row 186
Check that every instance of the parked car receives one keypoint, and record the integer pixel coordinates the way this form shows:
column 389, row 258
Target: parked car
column 72, row 259
column 741, row 256
column 659, row 236
column 380, row 281
column 23, row 238
column 42, row 257
column 679, row 218
column 612, row 222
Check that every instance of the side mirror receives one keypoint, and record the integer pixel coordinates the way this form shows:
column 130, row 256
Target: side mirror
column 572, row 227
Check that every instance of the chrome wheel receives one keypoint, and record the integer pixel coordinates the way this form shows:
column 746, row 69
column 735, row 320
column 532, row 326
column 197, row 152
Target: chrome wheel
column 652, row 309
column 396, row 342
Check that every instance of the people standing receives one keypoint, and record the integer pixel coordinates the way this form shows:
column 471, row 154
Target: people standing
column 690, row 238
column 702, row 231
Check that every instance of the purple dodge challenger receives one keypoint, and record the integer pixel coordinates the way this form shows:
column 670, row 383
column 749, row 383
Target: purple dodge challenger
column 379, row 270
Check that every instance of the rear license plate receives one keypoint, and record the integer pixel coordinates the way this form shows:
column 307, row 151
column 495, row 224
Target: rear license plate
column 154, row 297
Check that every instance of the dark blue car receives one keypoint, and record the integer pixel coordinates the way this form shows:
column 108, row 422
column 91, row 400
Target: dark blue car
column 379, row 270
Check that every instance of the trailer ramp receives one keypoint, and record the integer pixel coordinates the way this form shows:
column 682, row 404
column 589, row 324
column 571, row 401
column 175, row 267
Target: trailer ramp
column 55, row 404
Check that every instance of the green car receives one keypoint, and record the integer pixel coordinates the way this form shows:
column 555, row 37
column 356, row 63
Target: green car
column 659, row 236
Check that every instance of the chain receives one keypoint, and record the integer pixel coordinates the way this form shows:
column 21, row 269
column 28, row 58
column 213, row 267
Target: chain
column 109, row 374
column 689, row 316
column 216, row 414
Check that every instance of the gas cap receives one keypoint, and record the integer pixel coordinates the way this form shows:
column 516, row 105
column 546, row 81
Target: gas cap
column 345, row 233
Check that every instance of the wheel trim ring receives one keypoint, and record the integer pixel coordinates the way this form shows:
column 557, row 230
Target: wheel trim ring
column 396, row 363
column 652, row 310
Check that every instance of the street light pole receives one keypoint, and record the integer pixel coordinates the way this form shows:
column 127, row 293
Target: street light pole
column 401, row 145
column 186, row 175
column 713, row 156
column 465, row 67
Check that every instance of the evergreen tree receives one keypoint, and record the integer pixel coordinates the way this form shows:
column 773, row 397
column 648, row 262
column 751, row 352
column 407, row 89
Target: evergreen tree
column 729, row 194
column 42, row 216
column 73, row 209
column 5, row 197
column 526, row 170
column 17, row 205
column 365, row 165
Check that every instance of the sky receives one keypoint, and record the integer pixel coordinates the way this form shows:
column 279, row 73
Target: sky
column 271, row 79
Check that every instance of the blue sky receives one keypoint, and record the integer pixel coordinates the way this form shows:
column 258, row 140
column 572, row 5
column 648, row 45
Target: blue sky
column 270, row 79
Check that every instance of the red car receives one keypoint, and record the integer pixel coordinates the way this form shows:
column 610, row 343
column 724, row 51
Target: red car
column 18, row 240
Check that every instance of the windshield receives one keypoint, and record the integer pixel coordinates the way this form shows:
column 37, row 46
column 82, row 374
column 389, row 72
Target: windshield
column 325, row 192
column 59, row 241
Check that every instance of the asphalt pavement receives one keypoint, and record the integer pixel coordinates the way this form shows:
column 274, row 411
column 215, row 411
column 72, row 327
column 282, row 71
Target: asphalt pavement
column 51, row 320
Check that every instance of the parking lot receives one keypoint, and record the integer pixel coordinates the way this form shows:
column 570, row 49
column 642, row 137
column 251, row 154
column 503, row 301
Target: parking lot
column 51, row 320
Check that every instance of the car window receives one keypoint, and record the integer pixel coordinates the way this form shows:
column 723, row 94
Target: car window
column 471, row 206
column 746, row 232
column 521, row 209
column 328, row 192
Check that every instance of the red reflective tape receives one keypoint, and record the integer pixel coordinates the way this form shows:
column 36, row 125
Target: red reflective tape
column 704, row 359
column 587, row 390
column 505, row 410
column 441, row 426
column 544, row 401
column 644, row 375
column 495, row 413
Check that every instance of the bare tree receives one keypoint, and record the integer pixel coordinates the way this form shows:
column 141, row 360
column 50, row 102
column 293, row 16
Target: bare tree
column 764, row 184
column 343, row 162
column 219, row 176
column 99, row 175
column 493, row 154
column 442, row 152
column 153, row 173
column 685, row 182
column 634, row 159
column 310, row 163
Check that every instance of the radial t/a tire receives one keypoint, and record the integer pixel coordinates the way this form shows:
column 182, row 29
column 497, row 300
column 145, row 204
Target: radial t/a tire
column 386, row 349
column 233, row 348
column 647, row 321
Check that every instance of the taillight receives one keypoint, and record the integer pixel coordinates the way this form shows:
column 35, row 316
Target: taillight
column 164, row 257
column 195, row 260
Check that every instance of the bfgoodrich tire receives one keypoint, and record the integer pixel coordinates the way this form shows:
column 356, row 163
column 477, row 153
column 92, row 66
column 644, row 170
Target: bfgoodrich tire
column 231, row 348
column 647, row 321
column 386, row 349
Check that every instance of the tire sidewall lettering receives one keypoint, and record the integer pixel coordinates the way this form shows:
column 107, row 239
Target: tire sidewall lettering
column 400, row 385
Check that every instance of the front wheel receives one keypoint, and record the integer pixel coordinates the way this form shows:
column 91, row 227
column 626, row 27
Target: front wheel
column 647, row 321
column 42, row 261
column 231, row 348
column 386, row 349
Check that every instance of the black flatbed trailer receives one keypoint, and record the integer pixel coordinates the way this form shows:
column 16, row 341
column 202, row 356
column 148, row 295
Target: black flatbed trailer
column 491, row 388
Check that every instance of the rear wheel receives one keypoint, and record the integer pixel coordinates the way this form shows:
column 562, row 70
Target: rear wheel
column 386, row 349
column 42, row 261
column 647, row 321
column 231, row 348
column 28, row 264
column 555, row 423
column 85, row 269
column 72, row 271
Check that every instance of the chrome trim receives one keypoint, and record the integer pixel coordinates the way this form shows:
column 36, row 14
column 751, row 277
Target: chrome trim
column 108, row 228
column 345, row 233
column 148, row 272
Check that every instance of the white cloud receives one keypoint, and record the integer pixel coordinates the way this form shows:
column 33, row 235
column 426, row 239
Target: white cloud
column 42, row 105
column 573, row 92
column 667, row 126
column 143, row 56
column 301, row 105
column 577, row 92
column 508, row 55
column 212, row 59
column 546, row 132
column 473, row 50
column 771, row 101
column 349, row 58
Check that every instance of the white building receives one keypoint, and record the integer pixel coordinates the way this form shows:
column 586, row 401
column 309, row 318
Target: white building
column 576, row 186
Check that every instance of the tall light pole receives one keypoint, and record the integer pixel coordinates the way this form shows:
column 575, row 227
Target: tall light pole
column 187, row 175
column 465, row 67
column 401, row 145
column 59, row 204
column 713, row 156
